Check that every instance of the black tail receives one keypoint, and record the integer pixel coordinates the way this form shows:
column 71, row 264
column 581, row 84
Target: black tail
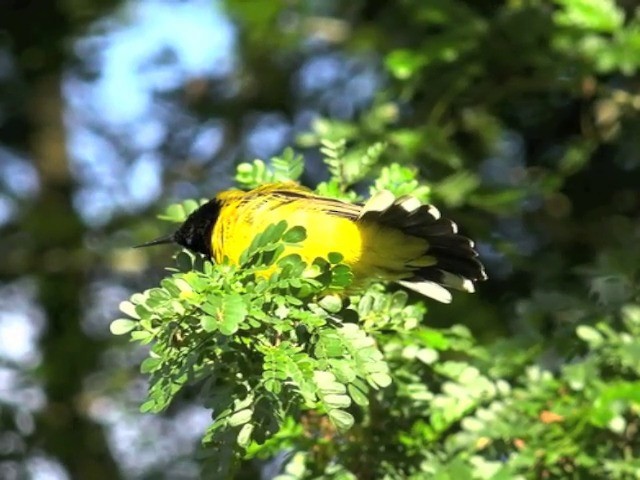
column 450, row 260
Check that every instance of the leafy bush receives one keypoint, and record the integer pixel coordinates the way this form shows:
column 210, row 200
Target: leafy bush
column 377, row 387
column 366, row 389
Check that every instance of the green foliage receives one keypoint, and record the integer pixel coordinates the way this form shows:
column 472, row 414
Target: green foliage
column 376, row 387
column 401, row 180
column 178, row 212
column 285, row 364
column 600, row 32
column 287, row 167
column 347, row 167
column 264, row 341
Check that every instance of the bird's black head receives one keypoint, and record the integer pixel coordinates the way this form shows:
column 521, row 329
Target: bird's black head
column 195, row 232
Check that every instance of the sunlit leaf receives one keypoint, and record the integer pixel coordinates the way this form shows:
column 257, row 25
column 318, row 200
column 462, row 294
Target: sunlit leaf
column 122, row 326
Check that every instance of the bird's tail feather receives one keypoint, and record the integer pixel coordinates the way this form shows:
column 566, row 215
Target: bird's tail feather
column 450, row 260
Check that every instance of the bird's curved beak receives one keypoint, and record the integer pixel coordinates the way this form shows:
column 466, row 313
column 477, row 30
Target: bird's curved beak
column 158, row 241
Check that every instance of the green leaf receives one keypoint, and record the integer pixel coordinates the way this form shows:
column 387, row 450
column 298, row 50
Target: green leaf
column 335, row 257
column 380, row 379
column 596, row 15
column 341, row 276
column 148, row 406
column 331, row 303
column 241, row 417
column 590, row 335
column 178, row 212
column 141, row 336
column 326, row 382
column 286, row 167
column 150, row 364
column 631, row 315
column 209, row 323
column 252, row 174
column 341, row 419
column 295, row 235
column 344, row 370
column 234, row 312
column 174, row 213
column 401, row 180
column 357, row 395
column 404, row 64
column 225, row 313
column 244, row 437
column 122, row 326
column 184, row 261
column 337, row 401
column 129, row 308
column 274, row 232
column 427, row 355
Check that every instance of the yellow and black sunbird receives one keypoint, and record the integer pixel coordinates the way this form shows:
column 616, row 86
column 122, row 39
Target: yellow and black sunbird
column 387, row 238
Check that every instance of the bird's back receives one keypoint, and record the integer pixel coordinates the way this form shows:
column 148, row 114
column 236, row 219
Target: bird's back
column 244, row 215
column 375, row 244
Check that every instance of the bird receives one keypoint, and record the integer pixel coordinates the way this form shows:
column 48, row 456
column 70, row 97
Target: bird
column 386, row 238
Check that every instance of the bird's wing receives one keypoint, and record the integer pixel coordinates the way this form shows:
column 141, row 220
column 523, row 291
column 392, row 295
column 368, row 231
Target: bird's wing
column 287, row 193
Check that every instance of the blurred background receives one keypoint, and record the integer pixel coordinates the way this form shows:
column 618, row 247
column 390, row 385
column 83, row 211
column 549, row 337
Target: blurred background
column 522, row 117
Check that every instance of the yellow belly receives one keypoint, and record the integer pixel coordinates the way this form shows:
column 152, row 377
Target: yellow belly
column 370, row 250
